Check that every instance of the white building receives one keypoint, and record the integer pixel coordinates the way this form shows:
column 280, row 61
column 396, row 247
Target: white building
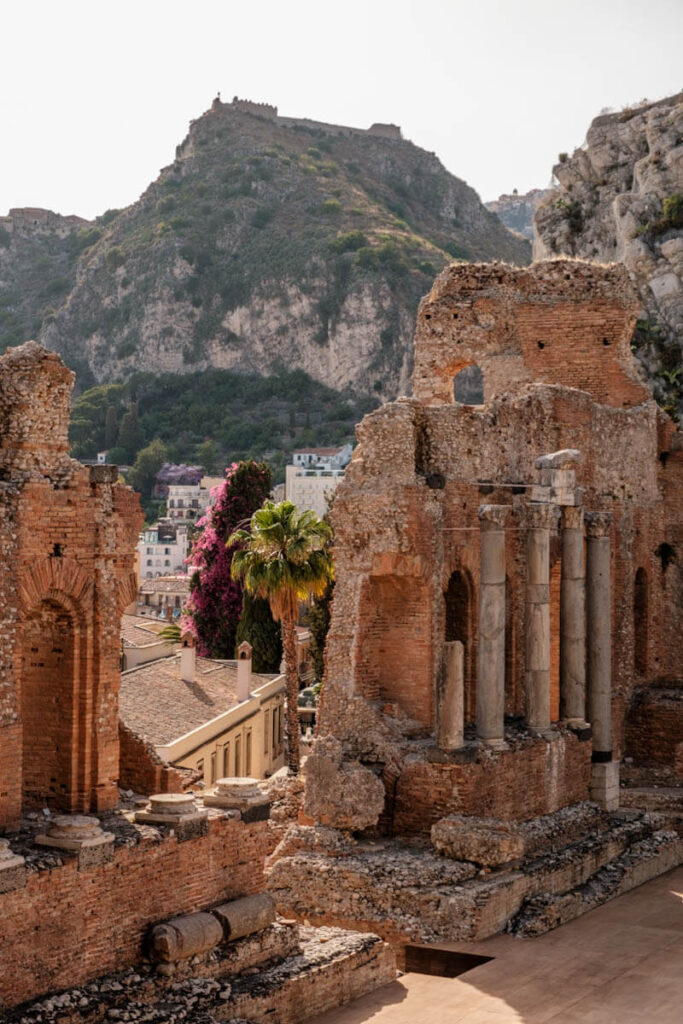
column 314, row 476
column 162, row 550
column 188, row 502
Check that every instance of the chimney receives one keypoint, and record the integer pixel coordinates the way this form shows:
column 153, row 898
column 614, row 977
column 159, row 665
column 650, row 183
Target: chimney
column 187, row 658
column 243, row 671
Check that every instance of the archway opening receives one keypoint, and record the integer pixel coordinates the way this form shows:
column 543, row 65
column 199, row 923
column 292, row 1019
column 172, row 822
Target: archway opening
column 48, row 708
column 397, row 649
column 640, row 623
column 459, row 625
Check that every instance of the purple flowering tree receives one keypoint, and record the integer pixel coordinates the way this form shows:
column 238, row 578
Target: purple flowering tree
column 215, row 603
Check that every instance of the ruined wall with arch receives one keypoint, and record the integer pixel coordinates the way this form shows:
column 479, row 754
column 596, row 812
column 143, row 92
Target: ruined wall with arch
column 67, row 557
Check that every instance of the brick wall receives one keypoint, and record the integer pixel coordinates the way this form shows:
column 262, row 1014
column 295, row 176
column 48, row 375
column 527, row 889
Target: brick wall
column 142, row 770
column 68, row 926
column 536, row 779
column 67, row 558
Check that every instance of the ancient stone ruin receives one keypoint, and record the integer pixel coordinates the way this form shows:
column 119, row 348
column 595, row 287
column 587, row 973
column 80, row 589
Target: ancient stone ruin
column 67, row 536
column 508, row 600
column 151, row 909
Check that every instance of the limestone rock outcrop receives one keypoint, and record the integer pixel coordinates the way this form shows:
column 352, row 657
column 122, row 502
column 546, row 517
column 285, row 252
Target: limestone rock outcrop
column 620, row 197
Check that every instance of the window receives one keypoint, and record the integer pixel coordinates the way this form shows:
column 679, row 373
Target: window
column 167, row 561
column 247, row 754
column 167, row 551
column 171, row 503
column 226, row 761
column 150, row 551
column 468, row 386
column 181, row 503
column 213, row 767
column 238, row 756
column 266, row 731
column 149, row 561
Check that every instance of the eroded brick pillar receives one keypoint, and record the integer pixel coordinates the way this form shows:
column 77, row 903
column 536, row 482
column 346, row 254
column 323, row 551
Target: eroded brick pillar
column 537, row 617
column 491, row 649
column 573, row 618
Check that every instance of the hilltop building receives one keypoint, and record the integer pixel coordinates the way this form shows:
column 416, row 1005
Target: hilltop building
column 314, row 476
column 186, row 503
column 163, row 549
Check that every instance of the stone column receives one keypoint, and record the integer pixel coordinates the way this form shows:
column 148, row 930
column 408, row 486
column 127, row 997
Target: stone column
column 572, row 619
column 451, row 697
column 491, row 653
column 537, row 625
column 604, row 787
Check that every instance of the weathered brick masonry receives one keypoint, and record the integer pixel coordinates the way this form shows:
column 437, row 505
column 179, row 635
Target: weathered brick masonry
column 509, row 586
column 68, row 925
column 67, row 534
column 552, row 341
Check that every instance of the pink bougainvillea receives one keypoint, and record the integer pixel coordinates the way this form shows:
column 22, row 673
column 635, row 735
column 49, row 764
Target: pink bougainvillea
column 215, row 603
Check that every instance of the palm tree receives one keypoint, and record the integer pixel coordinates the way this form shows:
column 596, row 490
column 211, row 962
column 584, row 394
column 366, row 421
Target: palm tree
column 285, row 558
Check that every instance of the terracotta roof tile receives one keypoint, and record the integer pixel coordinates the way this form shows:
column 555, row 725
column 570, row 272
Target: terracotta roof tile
column 157, row 705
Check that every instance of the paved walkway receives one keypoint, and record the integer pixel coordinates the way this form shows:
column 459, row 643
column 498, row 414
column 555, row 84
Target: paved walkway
column 620, row 964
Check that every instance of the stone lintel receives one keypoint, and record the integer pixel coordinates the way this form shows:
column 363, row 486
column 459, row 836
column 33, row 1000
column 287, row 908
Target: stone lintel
column 598, row 524
column 564, row 459
column 493, row 517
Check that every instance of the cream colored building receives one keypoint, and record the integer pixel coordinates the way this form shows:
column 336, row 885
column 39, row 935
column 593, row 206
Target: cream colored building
column 314, row 475
column 213, row 717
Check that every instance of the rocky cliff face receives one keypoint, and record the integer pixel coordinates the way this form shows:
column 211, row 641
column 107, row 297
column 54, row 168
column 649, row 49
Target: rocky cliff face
column 620, row 197
column 38, row 255
column 273, row 243
column 517, row 211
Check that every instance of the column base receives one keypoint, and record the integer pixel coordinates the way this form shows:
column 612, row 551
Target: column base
column 604, row 786
column 495, row 744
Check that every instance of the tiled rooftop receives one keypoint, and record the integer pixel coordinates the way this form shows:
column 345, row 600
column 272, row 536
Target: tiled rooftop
column 166, row 585
column 139, row 630
column 157, row 705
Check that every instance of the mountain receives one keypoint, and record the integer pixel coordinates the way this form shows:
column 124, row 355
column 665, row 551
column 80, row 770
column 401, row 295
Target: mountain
column 517, row 212
column 620, row 197
column 271, row 244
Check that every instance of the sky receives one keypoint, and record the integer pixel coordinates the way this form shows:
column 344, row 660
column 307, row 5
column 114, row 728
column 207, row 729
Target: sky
column 95, row 96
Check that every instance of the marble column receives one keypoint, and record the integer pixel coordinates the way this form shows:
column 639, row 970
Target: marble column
column 491, row 649
column 604, row 787
column 573, row 618
column 451, row 697
column 599, row 630
column 537, row 617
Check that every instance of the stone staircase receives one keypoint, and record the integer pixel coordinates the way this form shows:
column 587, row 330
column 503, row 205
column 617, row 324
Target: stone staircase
column 487, row 876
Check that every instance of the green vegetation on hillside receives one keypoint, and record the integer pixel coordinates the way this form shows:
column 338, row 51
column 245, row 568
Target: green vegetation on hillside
column 260, row 243
column 217, row 416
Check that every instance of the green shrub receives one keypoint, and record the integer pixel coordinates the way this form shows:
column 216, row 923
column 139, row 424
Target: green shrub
column 349, row 242
column 330, row 206
column 115, row 258
column 262, row 216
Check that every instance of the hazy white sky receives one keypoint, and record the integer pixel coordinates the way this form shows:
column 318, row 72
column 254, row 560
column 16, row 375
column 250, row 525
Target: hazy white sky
column 96, row 94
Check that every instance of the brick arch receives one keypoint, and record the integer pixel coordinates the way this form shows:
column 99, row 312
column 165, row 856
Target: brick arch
column 53, row 659
column 57, row 578
column 127, row 591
